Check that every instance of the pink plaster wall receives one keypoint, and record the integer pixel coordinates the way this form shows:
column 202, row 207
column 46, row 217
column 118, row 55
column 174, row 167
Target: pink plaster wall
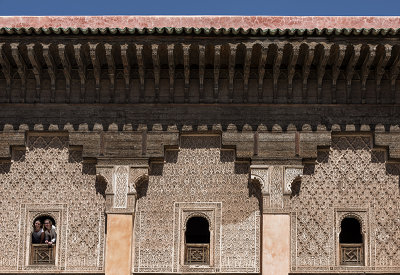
column 118, row 244
column 276, row 244
column 264, row 22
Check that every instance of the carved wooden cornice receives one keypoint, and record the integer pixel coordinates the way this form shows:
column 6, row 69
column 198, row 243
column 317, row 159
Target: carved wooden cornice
column 223, row 71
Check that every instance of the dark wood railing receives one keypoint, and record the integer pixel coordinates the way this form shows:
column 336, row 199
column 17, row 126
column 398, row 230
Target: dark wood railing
column 351, row 254
column 197, row 253
column 42, row 254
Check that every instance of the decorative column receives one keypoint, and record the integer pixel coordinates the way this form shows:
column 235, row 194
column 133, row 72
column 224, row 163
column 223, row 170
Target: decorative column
column 275, row 183
column 122, row 180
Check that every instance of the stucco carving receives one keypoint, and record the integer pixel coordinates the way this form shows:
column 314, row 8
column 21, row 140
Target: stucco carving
column 351, row 178
column 203, row 174
column 48, row 178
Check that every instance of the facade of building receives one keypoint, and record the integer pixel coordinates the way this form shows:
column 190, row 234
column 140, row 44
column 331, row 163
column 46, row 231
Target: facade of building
column 199, row 145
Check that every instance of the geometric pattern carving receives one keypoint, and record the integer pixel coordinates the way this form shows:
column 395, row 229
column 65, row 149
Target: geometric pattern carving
column 120, row 183
column 199, row 171
column 48, row 178
column 291, row 173
column 351, row 178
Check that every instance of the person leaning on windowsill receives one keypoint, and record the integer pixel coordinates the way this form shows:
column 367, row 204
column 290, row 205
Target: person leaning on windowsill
column 50, row 234
column 38, row 233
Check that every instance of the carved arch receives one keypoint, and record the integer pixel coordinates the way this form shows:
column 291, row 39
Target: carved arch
column 198, row 214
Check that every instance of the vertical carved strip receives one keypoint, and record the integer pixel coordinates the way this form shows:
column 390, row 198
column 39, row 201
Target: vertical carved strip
column 51, row 69
column 340, row 52
column 365, row 70
column 81, row 69
column 306, row 69
column 156, row 71
column 186, row 69
column 232, row 64
column 171, row 71
column 202, row 54
column 323, row 59
column 67, row 71
column 6, row 68
column 350, row 70
column 261, row 71
column 292, row 69
column 394, row 73
column 121, row 176
column 127, row 71
column 246, row 71
column 139, row 56
column 276, row 70
column 217, row 59
column 96, row 68
column 21, row 68
column 37, row 69
column 111, row 69
column 380, row 70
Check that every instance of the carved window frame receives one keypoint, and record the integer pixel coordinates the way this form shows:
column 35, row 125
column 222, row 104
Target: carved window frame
column 30, row 212
column 361, row 214
column 183, row 211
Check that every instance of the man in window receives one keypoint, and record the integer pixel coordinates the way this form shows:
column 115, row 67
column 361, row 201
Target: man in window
column 50, row 234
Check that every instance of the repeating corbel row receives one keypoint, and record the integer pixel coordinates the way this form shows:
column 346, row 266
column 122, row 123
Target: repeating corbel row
column 315, row 54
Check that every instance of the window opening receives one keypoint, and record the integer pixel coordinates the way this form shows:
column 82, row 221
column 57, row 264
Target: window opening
column 43, row 240
column 351, row 242
column 197, row 241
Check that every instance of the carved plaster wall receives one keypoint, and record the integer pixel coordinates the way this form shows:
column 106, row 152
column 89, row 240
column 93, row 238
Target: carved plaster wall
column 201, row 173
column 46, row 178
column 355, row 179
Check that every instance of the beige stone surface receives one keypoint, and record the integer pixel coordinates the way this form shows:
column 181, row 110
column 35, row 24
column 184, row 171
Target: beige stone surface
column 118, row 244
column 275, row 244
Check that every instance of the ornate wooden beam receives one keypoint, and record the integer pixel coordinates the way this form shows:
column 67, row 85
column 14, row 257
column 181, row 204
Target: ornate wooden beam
column 323, row 59
column 217, row 60
column 261, row 71
column 276, row 70
column 186, row 69
column 81, row 69
column 380, row 70
column 339, row 55
column 36, row 68
column 6, row 68
column 51, row 69
column 22, row 69
column 139, row 56
column 231, row 69
column 202, row 54
column 111, row 69
column 394, row 73
column 127, row 70
column 156, row 70
column 365, row 70
column 67, row 71
column 306, row 69
column 350, row 70
column 246, row 71
column 96, row 68
column 292, row 70
column 171, row 71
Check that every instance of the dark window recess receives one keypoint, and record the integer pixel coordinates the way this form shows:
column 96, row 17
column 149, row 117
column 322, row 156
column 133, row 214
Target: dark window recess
column 350, row 231
column 197, row 230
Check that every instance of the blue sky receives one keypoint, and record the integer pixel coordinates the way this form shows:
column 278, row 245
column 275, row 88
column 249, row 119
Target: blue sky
column 198, row 7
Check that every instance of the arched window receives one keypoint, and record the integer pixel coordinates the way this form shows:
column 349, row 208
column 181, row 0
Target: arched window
column 197, row 241
column 43, row 239
column 351, row 242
